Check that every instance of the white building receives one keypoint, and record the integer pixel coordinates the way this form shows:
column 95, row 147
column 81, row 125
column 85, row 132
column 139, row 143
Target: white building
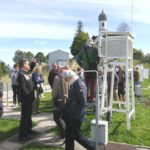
column 59, row 57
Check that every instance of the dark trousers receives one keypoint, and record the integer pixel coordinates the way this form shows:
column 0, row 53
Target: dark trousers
column 15, row 94
column 90, row 82
column 73, row 133
column 60, row 122
column 36, row 102
column 25, row 120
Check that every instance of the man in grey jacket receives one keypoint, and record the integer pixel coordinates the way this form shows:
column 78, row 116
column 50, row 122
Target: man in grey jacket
column 59, row 97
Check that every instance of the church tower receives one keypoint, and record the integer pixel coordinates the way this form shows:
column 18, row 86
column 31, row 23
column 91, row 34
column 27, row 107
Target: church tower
column 102, row 21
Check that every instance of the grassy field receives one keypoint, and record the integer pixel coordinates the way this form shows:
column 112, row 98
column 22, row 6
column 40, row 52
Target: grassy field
column 8, row 128
column 5, row 78
column 140, row 129
column 138, row 135
column 46, row 103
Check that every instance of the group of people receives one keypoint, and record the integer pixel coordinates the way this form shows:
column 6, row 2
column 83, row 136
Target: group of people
column 69, row 96
column 119, row 84
column 70, row 93
column 37, row 78
column 27, row 85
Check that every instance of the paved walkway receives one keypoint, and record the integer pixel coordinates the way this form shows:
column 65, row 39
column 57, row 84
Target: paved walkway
column 45, row 123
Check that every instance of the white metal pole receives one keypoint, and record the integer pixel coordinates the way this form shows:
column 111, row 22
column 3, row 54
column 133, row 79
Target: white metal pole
column 127, row 96
column 104, row 86
column 133, row 99
column 112, row 86
column 97, row 110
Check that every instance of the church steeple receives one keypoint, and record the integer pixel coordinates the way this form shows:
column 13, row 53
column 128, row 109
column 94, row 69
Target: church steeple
column 102, row 21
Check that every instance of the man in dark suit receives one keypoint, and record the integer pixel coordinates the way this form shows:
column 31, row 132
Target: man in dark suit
column 26, row 97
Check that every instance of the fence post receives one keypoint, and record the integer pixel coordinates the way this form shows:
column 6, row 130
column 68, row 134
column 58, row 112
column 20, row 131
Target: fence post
column 7, row 92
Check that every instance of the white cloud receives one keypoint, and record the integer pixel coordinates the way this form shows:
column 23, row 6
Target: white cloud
column 55, row 19
column 39, row 42
column 36, row 30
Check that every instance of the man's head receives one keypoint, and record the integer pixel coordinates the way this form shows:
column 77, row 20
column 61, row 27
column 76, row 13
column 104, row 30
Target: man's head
column 68, row 75
column 120, row 67
column 54, row 66
column 33, row 60
column 89, row 42
column 16, row 66
column 24, row 64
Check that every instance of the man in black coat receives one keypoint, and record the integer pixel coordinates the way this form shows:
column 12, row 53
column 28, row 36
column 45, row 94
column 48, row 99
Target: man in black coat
column 75, row 111
column 26, row 97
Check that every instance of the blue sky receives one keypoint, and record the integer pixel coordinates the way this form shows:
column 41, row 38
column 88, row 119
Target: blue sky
column 46, row 25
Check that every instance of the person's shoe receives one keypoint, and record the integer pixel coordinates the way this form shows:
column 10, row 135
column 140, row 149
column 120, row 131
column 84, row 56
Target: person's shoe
column 62, row 137
column 32, row 132
column 24, row 139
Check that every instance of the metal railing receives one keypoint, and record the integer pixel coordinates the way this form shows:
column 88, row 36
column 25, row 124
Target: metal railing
column 8, row 93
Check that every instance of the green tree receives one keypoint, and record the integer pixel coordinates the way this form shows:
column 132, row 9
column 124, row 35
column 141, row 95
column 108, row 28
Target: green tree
column 138, row 54
column 123, row 27
column 79, row 27
column 19, row 55
column 29, row 56
column 3, row 67
column 146, row 59
column 79, row 42
column 40, row 57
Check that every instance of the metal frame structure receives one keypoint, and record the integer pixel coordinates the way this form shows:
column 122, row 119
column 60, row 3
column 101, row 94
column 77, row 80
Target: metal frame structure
column 116, row 46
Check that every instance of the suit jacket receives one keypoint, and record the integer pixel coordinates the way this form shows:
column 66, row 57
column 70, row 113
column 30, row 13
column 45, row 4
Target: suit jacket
column 25, row 87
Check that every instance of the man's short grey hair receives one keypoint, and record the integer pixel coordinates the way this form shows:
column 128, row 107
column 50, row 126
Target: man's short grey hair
column 89, row 42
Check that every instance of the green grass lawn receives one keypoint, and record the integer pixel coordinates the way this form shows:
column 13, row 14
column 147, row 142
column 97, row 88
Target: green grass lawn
column 8, row 128
column 138, row 135
column 146, row 82
column 46, row 103
column 140, row 127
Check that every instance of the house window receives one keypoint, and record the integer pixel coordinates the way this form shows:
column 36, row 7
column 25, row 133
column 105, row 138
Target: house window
column 103, row 24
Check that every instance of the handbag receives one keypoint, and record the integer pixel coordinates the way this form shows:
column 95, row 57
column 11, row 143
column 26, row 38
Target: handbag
column 59, row 102
column 40, row 88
